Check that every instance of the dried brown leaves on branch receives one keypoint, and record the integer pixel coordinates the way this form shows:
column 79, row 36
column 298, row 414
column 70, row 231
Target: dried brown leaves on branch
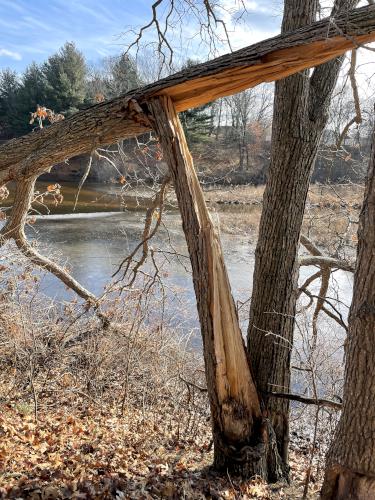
column 42, row 113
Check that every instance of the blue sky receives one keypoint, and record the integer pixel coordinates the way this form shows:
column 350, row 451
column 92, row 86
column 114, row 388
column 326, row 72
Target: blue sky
column 31, row 30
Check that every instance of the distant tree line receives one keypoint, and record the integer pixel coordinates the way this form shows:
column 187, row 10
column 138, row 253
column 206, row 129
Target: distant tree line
column 64, row 83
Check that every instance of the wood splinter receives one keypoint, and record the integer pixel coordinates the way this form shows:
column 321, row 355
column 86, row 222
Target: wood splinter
column 235, row 405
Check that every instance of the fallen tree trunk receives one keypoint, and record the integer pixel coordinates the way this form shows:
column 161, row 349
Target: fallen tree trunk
column 244, row 443
column 108, row 122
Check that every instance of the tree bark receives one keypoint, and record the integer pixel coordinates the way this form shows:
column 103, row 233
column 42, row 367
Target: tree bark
column 300, row 114
column 243, row 440
column 110, row 121
column 350, row 469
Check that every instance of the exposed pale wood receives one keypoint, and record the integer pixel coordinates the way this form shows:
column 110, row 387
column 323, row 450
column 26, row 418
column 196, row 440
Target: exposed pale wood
column 235, row 406
column 279, row 64
column 111, row 121
column 222, row 334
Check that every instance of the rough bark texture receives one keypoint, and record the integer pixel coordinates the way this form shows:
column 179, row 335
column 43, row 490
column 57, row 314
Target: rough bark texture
column 243, row 441
column 300, row 114
column 350, row 470
column 111, row 121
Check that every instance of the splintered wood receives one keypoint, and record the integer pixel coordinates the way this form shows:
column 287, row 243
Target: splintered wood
column 231, row 388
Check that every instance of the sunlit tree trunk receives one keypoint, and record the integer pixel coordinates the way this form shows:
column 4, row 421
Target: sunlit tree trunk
column 300, row 115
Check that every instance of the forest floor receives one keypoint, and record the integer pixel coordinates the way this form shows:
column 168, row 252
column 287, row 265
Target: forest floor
column 73, row 452
column 120, row 413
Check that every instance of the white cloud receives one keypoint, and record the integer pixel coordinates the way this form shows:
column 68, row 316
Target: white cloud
column 10, row 53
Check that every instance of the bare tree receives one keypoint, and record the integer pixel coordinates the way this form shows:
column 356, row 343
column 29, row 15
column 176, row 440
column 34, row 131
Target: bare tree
column 168, row 18
column 248, row 111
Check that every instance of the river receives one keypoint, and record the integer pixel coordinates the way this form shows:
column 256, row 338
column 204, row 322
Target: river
column 93, row 244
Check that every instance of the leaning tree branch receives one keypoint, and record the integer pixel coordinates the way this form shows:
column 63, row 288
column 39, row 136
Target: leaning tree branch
column 14, row 229
column 358, row 113
column 330, row 262
column 310, row 245
column 324, row 285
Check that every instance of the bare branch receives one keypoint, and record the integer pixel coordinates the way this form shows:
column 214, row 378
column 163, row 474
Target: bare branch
column 358, row 114
column 15, row 229
column 82, row 181
column 307, row 401
column 191, row 384
column 326, row 274
column 155, row 208
column 327, row 262
column 309, row 245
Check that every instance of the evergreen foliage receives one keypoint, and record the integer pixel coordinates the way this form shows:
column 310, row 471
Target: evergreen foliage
column 197, row 122
column 63, row 84
column 65, row 74
column 9, row 89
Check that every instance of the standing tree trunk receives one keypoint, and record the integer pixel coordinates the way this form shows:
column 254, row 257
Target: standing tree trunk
column 243, row 440
column 350, row 469
column 300, row 115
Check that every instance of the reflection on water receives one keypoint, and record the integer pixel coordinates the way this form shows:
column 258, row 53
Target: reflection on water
column 94, row 197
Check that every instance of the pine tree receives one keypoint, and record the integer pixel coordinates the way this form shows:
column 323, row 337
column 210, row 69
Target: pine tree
column 65, row 74
column 197, row 122
column 124, row 75
column 9, row 112
column 32, row 92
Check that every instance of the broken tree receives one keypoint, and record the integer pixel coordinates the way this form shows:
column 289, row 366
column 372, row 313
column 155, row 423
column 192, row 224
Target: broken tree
column 244, row 440
column 119, row 118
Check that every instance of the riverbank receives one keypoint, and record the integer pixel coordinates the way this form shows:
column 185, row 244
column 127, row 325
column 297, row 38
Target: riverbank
column 331, row 210
column 117, row 413
column 113, row 413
